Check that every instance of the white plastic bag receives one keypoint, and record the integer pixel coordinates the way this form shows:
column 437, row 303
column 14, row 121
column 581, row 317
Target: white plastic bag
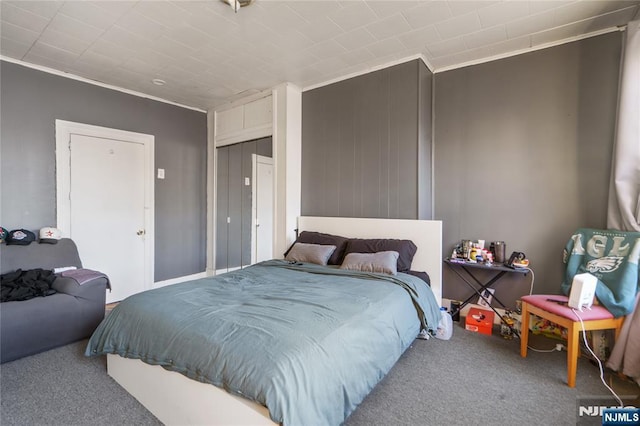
column 445, row 326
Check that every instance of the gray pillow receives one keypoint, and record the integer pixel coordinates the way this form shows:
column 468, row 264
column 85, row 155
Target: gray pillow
column 384, row 262
column 310, row 253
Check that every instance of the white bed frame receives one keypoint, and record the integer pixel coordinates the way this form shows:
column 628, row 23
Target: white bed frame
column 176, row 400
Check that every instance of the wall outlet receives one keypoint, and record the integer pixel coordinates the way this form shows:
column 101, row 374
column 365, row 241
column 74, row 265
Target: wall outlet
column 560, row 347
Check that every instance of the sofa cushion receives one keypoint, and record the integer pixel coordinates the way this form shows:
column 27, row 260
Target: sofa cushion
column 45, row 256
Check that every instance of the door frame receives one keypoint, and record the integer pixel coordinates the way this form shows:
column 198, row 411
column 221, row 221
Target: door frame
column 254, row 196
column 64, row 130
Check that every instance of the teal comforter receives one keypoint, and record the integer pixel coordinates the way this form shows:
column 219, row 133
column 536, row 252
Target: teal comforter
column 308, row 342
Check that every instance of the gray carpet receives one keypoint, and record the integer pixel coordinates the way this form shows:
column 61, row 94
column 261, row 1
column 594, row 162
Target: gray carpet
column 471, row 379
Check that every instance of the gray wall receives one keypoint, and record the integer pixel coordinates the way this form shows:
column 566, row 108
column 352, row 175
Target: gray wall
column 32, row 100
column 233, row 199
column 523, row 149
column 364, row 141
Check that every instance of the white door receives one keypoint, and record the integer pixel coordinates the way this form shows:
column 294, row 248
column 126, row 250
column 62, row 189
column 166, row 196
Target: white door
column 107, row 216
column 262, row 196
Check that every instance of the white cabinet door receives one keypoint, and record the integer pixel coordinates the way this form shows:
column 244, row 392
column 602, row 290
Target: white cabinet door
column 258, row 113
column 252, row 120
column 230, row 121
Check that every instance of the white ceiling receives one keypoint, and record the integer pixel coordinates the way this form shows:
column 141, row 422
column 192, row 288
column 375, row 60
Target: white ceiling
column 208, row 54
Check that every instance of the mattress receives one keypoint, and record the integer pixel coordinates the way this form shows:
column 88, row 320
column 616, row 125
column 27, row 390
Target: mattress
column 306, row 341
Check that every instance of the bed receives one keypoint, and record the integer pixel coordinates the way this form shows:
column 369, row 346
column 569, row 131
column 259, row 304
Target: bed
column 323, row 337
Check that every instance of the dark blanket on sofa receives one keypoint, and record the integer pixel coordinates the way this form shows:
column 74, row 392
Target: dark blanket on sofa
column 25, row 285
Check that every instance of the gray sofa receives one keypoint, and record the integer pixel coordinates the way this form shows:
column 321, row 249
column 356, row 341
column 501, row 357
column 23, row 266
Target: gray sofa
column 36, row 325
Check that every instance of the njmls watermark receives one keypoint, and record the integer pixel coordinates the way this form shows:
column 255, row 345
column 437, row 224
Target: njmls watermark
column 605, row 411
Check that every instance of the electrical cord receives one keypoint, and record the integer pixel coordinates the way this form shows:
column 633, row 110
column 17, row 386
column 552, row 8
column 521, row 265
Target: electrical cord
column 533, row 277
column 584, row 337
column 542, row 350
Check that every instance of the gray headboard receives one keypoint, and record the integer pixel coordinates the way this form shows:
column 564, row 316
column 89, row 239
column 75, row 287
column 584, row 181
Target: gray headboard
column 36, row 255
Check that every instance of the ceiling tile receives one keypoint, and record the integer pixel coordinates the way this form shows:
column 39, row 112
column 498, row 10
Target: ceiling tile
column 501, row 13
column 45, row 62
column 293, row 43
column 121, row 37
column 73, row 27
column 313, row 10
column 447, row 47
column 353, row 15
column 17, row 34
column 460, row 25
column 462, row 7
column 427, row 14
column 512, row 45
column 13, row 49
column 389, row 27
column 63, row 41
column 485, row 37
column 355, row 39
column 119, row 7
column 358, row 56
column 537, row 6
column 89, row 13
column 100, row 61
column 142, row 26
column 322, row 29
column 141, row 67
column 22, row 17
column 189, row 36
column 164, row 13
column 46, row 9
column 387, row 8
column 326, row 49
column 530, row 25
column 111, row 50
column 53, row 53
column 576, row 11
column 280, row 18
column 390, row 46
column 419, row 38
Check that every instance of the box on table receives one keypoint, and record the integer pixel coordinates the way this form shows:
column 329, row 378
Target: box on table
column 479, row 320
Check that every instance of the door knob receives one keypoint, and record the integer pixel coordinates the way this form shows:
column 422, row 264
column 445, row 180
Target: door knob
column 140, row 232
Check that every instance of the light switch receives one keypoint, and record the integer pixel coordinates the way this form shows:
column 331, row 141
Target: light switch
column 247, row 181
column 160, row 173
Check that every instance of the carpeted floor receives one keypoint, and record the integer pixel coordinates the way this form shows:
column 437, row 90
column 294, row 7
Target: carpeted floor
column 471, row 379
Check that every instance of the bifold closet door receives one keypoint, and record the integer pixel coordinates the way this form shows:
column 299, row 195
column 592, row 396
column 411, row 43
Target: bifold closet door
column 222, row 208
column 234, row 245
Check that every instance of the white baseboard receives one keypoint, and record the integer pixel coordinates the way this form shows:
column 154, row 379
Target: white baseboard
column 182, row 279
column 224, row 271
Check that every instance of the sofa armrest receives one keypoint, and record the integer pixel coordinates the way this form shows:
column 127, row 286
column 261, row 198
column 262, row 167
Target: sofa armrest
column 94, row 290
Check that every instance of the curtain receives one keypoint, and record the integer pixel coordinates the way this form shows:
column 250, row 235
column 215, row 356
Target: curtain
column 624, row 188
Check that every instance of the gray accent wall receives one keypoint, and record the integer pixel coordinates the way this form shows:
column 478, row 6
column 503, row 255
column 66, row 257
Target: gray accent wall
column 32, row 100
column 365, row 142
column 523, row 147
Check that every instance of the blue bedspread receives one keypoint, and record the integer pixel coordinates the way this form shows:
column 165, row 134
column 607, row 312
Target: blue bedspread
column 308, row 342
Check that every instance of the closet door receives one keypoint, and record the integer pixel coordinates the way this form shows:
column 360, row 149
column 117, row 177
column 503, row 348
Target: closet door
column 235, row 183
column 222, row 208
column 248, row 149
